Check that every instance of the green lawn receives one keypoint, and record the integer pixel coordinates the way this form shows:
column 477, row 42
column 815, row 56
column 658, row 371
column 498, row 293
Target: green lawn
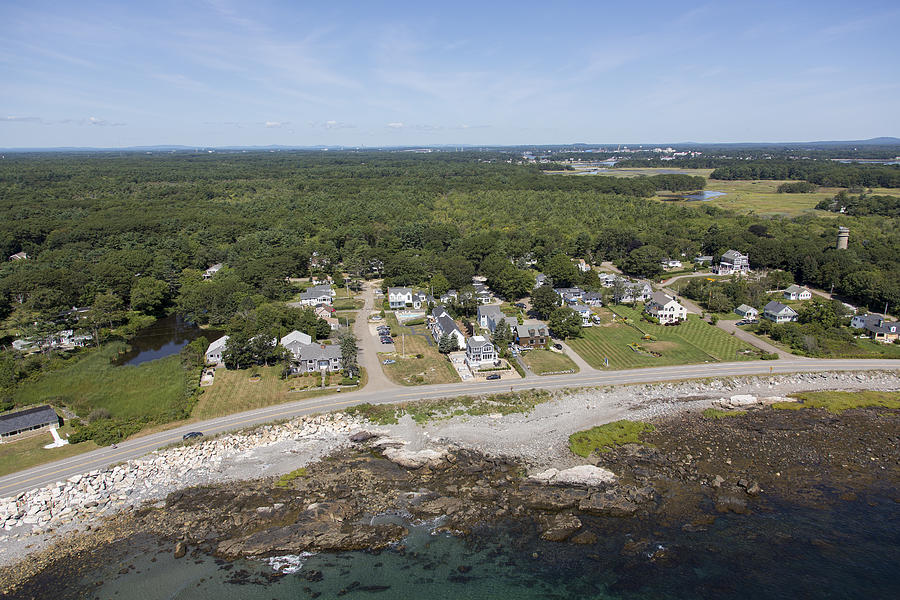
column 694, row 341
column 30, row 452
column 154, row 390
column 546, row 361
column 235, row 391
column 433, row 367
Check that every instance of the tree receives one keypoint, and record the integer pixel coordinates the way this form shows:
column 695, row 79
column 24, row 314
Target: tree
column 503, row 336
column 148, row 295
column 565, row 323
column 644, row 261
column 560, row 269
column 349, row 350
column 439, row 285
column 544, row 301
column 448, row 344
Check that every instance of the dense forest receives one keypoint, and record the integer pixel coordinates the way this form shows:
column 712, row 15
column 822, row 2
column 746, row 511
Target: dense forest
column 862, row 205
column 827, row 173
column 134, row 232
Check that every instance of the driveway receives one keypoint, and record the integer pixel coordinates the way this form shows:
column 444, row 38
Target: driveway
column 583, row 366
column 731, row 327
column 369, row 345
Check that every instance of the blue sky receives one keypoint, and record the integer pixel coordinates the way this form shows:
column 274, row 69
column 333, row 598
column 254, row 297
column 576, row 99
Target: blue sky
column 223, row 72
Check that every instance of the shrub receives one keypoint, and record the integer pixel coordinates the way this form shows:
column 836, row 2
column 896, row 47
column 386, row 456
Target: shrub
column 97, row 414
column 769, row 356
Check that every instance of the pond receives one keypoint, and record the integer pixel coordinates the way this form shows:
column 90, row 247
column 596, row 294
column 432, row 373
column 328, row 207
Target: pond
column 167, row 336
column 704, row 195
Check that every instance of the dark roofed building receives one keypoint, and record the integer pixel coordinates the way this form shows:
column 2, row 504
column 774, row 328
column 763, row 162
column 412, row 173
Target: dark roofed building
column 31, row 419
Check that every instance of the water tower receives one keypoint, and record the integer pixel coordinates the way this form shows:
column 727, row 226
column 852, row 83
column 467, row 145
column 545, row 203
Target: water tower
column 843, row 238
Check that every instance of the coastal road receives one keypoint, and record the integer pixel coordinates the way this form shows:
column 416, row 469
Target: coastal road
column 11, row 485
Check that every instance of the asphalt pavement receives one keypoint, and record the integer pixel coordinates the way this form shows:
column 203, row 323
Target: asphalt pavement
column 39, row 476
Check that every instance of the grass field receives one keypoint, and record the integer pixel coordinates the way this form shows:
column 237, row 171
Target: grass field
column 233, row 391
column 694, row 341
column 545, row 361
column 155, row 389
column 433, row 367
column 758, row 196
column 30, row 451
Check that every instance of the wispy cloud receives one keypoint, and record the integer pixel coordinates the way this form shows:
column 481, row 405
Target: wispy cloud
column 276, row 124
column 396, row 125
column 331, row 124
column 96, row 121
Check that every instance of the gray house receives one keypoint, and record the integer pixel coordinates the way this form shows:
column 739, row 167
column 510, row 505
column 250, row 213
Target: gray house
column 30, row 419
column 490, row 315
column 318, row 357
column 779, row 313
column 747, row 312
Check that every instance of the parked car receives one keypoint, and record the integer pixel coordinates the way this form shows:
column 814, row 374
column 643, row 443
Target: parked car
column 190, row 435
column 493, row 376
column 519, row 305
column 389, row 361
column 387, row 340
column 557, row 346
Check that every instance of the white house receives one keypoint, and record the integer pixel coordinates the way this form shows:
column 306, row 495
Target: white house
column 216, row 350
column 19, row 256
column 399, row 297
column 584, row 312
column 210, row 272
column 317, row 295
column 295, row 341
column 747, row 312
column 441, row 324
column 778, row 312
column 582, row 266
column 671, row 263
column 592, row 298
column 490, row 315
column 733, row 262
column 480, row 352
column 665, row 308
column 795, row 292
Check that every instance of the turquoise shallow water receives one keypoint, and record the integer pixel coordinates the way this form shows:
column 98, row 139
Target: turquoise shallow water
column 851, row 551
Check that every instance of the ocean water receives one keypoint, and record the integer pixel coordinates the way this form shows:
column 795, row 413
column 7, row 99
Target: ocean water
column 849, row 551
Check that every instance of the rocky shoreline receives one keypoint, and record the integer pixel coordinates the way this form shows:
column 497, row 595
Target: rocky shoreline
column 366, row 483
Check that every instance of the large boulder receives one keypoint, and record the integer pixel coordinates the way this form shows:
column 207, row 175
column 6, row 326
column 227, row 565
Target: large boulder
column 585, row 475
column 416, row 459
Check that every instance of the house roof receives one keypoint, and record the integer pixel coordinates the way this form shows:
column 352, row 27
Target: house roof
column 296, row 336
column 28, row 418
column 795, row 289
column 490, row 310
column 319, row 351
column 531, row 331
column 744, row 308
column 217, row 345
column 661, row 298
column 447, row 325
column 477, row 341
column 733, row 254
column 403, row 291
column 777, row 308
